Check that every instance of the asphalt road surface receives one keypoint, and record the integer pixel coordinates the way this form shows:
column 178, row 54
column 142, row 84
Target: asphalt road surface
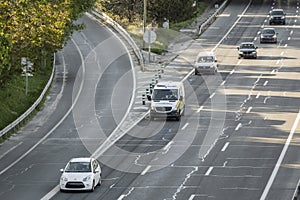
column 238, row 138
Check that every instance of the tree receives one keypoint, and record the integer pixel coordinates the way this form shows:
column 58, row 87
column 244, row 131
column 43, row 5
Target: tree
column 36, row 29
column 122, row 10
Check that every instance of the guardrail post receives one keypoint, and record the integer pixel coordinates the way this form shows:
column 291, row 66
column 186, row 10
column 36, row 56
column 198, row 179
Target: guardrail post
column 143, row 99
column 156, row 78
column 150, row 88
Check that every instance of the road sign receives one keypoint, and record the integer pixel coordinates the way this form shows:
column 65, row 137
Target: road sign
column 149, row 36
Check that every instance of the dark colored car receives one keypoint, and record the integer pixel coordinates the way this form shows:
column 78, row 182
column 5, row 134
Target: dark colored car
column 277, row 16
column 247, row 50
column 268, row 35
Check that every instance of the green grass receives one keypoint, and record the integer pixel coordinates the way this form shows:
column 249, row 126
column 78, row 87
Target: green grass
column 164, row 37
column 13, row 99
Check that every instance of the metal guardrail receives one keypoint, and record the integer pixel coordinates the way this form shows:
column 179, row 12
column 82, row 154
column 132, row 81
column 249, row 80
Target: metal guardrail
column 20, row 119
column 124, row 33
column 211, row 19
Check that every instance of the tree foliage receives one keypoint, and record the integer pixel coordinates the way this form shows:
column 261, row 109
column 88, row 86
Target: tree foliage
column 122, row 10
column 130, row 10
column 33, row 28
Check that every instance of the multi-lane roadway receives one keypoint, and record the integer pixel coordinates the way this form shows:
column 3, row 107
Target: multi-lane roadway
column 237, row 140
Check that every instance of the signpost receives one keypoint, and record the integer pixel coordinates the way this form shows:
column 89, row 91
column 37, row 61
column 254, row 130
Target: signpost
column 149, row 37
column 27, row 65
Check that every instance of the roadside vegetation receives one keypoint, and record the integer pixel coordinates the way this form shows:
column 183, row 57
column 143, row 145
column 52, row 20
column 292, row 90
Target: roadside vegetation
column 36, row 29
column 129, row 14
column 33, row 30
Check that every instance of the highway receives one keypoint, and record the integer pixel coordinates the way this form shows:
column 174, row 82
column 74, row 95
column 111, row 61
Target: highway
column 238, row 138
column 87, row 75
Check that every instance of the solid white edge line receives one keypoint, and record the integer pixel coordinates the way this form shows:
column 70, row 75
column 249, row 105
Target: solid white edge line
column 131, row 100
column 11, row 149
column 208, row 171
column 58, row 124
column 50, row 194
column 145, row 170
column 225, row 146
column 280, row 159
column 235, row 23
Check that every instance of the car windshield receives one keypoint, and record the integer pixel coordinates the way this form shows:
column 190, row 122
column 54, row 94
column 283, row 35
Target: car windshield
column 165, row 94
column 277, row 12
column 247, row 46
column 268, row 31
column 78, row 167
column 205, row 59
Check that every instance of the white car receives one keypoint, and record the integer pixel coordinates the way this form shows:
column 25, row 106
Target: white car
column 80, row 174
column 206, row 63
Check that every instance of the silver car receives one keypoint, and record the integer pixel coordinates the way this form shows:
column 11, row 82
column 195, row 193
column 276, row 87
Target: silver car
column 268, row 35
column 247, row 50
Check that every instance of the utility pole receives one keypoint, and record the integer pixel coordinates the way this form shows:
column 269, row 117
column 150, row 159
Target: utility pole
column 144, row 19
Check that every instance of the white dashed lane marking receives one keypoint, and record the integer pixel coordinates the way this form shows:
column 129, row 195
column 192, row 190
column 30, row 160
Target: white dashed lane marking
column 184, row 127
column 225, row 146
column 238, row 127
column 209, row 171
column 249, row 110
column 199, row 109
column 146, row 170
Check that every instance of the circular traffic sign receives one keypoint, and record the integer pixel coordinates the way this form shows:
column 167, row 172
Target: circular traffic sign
column 149, row 36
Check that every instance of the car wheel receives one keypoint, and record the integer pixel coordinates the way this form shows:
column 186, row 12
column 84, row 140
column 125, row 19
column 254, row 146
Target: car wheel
column 62, row 190
column 151, row 117
column 196, row 72
column 283, row 23
column 178, row 117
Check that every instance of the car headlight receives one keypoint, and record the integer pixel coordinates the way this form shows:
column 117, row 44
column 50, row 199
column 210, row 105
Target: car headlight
column 282, row 17
column 86, row 178
column 63, row 179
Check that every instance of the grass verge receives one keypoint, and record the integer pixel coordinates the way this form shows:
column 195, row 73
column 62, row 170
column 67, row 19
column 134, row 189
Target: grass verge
column 13, row 99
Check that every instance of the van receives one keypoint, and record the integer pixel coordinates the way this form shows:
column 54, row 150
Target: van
column 206, row 62
column 167, row 100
